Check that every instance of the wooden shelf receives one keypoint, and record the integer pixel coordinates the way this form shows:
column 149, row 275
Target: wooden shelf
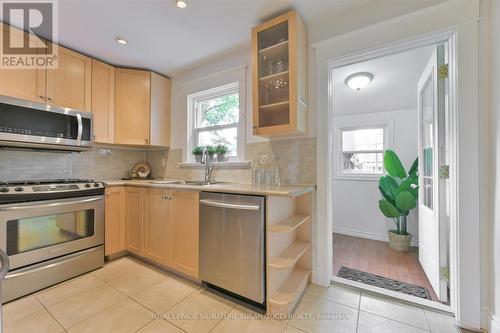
column 272, row 76
column 291, row 255
column 290, row 224
column 293, row 286
column 272, row 47
column 273, row 105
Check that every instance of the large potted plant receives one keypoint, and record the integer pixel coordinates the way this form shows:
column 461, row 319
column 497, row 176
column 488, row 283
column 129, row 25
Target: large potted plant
column 400, row 193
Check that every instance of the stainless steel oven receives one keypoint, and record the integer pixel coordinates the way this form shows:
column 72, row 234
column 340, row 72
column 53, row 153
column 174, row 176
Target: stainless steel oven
column 33, row 125
column 46, row 238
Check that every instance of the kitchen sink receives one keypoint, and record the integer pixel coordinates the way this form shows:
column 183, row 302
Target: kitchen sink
column 185, row 182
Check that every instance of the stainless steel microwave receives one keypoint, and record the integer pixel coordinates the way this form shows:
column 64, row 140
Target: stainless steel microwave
column 25, row 124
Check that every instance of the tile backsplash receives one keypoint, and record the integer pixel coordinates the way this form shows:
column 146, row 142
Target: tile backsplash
column 296, row 159
column 97, row 163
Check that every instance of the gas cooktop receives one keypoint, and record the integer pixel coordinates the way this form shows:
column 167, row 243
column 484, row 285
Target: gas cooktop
column 47, row 189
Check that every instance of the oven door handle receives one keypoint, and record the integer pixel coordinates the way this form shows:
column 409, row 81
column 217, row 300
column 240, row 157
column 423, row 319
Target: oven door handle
column 55, row 204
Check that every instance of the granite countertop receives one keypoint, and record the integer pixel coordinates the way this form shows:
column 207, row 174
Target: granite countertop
column 268, row 190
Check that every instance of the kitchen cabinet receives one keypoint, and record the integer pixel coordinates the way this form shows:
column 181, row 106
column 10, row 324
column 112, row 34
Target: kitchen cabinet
column 28, row 84
column 279, row 73
column 134, row 219
column 184, row 232
column 142, row 108
column 114, row 220
column 156, row 218
column 103, row 101
column 70, row 84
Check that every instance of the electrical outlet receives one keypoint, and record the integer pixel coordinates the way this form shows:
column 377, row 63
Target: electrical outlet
column 163, row 162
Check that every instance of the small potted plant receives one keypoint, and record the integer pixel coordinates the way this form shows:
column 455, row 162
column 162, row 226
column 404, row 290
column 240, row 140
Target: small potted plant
column 198, row 152
column 221, row 151
column 400, row 193
column 211, row 153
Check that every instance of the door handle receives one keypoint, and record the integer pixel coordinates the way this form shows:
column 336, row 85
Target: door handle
column 55, row 204
column 228, row 205
column 80, row 129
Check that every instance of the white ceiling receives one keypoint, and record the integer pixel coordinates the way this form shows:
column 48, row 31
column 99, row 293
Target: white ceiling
column 394, row 85
column 169, row 40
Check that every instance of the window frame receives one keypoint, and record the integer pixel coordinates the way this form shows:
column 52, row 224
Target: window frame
column 360, row 122
column 193, row 130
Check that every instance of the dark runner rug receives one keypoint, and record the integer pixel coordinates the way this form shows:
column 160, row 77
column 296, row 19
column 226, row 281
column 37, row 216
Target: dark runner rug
column 383, row 282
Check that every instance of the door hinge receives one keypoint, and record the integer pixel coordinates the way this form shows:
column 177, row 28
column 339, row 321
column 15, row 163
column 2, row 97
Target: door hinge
column 443, row 71
column 444, row 171
column 445, row 273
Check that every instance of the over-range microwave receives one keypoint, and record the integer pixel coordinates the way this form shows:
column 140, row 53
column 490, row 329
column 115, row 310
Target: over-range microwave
column 25, row 124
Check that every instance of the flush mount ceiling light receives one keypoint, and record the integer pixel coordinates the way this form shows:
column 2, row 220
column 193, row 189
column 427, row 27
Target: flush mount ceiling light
column 181, row 3
column 358, row 81
column 121, row 40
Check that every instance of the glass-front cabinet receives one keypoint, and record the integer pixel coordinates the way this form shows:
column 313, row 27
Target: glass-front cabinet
column 279, row 49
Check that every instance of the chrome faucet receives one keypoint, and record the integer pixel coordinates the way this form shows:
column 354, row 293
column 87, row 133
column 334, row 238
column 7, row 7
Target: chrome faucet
column 208, row 168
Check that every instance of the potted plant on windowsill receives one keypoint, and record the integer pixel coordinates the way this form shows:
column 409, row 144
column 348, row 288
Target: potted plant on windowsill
column 197, row 152
column 211, row 153
column 400, row 194
column 221, row 151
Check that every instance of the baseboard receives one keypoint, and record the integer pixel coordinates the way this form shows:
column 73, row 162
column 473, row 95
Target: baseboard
column 367, row 235
column 489, row 322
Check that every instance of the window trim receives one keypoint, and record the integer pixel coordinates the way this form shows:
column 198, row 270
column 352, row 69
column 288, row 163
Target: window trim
column 224, row 89
column 358, row 122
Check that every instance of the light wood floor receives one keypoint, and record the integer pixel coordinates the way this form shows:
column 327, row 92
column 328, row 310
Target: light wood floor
column 376, row 257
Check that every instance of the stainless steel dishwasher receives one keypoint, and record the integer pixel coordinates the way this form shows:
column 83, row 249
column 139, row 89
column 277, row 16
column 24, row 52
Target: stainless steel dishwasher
column 232, row 245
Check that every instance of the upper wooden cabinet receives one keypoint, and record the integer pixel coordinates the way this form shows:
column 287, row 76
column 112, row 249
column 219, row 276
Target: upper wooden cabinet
column 70, row 84
column 103, row 101
column 142, row 108
column 279, row 73
column 184, row 232
column 114, row 220
column 28, row 84
column 67, row 86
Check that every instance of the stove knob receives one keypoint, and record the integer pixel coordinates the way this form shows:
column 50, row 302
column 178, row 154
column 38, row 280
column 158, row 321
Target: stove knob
column 87, row 185
column 4, row 189
column 19, row 189
column 96, row 184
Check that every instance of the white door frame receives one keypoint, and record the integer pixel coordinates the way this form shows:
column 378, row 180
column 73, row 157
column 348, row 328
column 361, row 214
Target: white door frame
column 395, row 36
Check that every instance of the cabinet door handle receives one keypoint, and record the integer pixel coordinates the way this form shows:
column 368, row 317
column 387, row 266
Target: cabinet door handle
column 50, row 98
column 108, row 194
column 146, row 140
column 41, row 97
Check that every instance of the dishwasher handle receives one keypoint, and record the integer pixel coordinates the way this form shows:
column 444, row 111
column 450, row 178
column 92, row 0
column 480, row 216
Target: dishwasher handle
column 229, row 205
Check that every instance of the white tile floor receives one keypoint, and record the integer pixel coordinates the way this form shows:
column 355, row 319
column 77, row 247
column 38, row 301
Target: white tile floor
column 130, row 296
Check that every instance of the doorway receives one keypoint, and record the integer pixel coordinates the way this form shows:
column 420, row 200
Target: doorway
column 390, row 125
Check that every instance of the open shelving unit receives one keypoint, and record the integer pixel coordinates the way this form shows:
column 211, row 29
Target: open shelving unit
column 289, row 256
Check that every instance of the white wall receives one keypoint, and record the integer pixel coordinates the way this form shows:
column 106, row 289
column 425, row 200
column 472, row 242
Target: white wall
column 492, row 231
column 355, row 202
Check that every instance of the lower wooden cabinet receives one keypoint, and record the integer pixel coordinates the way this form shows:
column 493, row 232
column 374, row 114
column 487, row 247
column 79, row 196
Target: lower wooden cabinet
column 157, row 224
column 184, row 232
column 156, row 215
column 134, row 218
column 114, row 216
